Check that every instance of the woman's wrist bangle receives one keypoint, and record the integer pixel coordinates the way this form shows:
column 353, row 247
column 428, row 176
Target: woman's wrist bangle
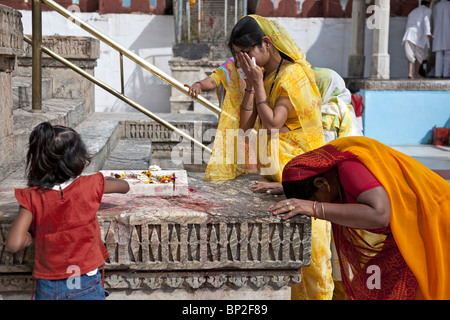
column 314, row 209
column 246, row 109
column 323, row 211
column 260, row 102
column 201, row 86
column 250, row 91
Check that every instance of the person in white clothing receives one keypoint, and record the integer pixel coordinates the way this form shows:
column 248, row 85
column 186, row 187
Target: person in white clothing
column 415, row 39
column 441, row 43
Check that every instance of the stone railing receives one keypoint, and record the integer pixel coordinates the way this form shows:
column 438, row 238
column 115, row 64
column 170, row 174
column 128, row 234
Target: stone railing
column 203, row 130
column 217, row 242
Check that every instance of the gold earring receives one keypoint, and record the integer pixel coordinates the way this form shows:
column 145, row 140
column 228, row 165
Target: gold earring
column 325, row 183
column 328, row 186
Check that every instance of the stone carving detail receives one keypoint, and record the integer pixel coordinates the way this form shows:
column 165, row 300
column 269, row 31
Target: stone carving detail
column 177, row 246
column 156, row 132
column 197, row 280
column 11, row 32
column 22, row 261
column 211, row 239
column 81, row 48
column 173, row 246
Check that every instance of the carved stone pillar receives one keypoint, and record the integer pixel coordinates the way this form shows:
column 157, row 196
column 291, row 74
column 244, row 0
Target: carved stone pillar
column 380, row 61
column 11, row 46
column 188, row 71
column 356, row 59
column 67, row 84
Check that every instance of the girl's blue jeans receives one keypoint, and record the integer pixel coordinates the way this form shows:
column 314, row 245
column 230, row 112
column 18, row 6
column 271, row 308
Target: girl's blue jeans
column 88, row 288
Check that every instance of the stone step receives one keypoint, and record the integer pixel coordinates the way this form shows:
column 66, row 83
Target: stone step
column 135, row 141
column 100, row 137
column 129, row 155
column 22, row 91
column 56, row 111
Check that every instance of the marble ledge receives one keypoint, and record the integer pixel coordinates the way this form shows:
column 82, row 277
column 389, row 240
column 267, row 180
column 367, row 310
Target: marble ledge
column 426, row 84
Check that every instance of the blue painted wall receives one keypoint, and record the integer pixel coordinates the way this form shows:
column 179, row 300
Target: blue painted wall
column 404, row 117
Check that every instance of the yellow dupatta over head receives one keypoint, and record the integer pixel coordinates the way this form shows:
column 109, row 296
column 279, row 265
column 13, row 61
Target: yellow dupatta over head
column 304, row 95
column 298, row 81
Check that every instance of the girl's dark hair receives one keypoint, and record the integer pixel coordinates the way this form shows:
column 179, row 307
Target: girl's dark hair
column 55, row 155
column 300, row 189
column 247, row 33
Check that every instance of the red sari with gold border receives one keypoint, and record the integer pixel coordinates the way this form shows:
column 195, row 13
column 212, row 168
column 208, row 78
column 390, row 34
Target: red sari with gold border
column 414, row 248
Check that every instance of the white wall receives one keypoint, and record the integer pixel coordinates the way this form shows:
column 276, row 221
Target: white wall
column 149, row 36
column 326, row 43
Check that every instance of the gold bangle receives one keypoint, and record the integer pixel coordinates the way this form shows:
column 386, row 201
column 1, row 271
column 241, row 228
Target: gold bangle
column 323, row 211
column 246, row 109
column 314, row 209
column 258, row 103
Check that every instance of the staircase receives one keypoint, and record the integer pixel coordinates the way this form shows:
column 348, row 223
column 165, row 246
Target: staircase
column 129, row 141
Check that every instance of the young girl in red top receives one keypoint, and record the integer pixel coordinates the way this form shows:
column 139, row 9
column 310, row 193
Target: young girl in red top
column 61, row 207
column 357, row 102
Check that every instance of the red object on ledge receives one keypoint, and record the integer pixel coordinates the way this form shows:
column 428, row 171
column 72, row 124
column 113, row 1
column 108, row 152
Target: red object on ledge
column 440, row 136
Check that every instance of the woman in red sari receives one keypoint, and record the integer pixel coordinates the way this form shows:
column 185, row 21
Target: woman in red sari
column 390, row 217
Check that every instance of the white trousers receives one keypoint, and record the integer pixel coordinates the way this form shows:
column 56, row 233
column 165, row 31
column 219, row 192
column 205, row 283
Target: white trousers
column 442, row 64
column 414, row 52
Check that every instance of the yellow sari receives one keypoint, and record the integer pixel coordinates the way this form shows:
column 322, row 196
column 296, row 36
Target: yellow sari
column 223, row 163
column 297, row 81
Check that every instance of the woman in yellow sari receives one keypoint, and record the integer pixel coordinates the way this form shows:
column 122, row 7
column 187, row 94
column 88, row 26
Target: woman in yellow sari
column 281, row 93
column 283, row 103
column 230, row 88
column 370, row 191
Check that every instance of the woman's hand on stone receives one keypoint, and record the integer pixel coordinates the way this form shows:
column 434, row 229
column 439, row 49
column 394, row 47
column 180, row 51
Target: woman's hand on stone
column 292, row 207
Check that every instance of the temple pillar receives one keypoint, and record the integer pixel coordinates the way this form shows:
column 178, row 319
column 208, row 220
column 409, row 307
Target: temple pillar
column 11, row 46
column 356, row 59
column 380, row 60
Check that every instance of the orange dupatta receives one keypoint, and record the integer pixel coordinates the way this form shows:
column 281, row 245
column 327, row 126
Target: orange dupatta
column 420, row 204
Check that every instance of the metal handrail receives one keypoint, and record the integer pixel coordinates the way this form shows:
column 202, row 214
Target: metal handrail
column 116, row 93
column 37, row 48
